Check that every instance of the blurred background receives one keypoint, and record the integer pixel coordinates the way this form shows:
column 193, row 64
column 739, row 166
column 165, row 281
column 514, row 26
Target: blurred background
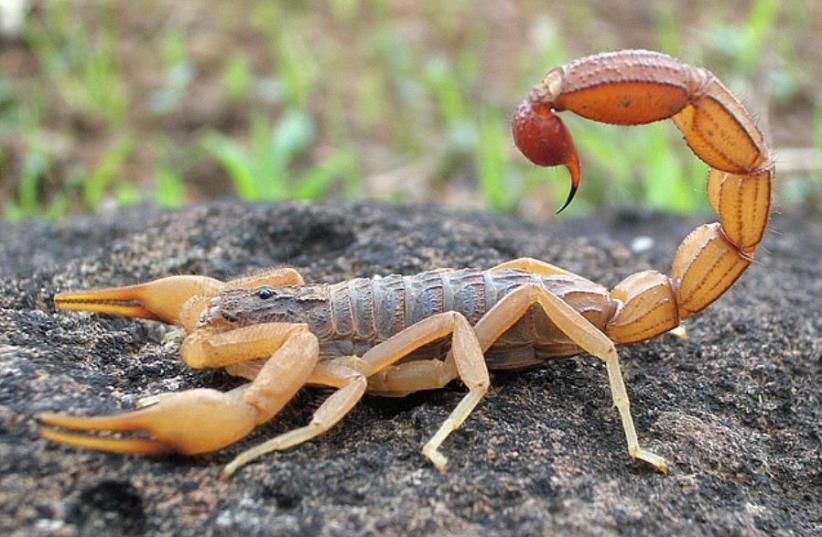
column 172, row 102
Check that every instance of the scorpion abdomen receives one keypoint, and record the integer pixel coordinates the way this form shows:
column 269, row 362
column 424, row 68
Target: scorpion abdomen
column 367, row 311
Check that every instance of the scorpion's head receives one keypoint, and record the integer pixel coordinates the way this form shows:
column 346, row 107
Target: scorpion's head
column 236, row 307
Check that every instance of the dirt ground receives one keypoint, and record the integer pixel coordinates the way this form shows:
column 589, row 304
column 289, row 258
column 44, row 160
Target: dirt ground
column 735, row 408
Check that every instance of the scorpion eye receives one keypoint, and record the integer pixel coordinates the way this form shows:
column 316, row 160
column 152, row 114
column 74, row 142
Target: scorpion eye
column 264, row 293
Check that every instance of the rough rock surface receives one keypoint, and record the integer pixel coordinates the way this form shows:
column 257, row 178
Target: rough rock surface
column 735, row 408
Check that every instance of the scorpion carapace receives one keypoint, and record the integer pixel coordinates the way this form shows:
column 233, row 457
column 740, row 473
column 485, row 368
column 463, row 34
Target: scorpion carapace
column 401, row 334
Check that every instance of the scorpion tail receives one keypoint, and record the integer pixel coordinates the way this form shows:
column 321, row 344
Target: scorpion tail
column 635, row 87
column 544, row 140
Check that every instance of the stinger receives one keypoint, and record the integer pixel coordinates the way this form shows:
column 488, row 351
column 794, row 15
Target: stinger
column 544, row 140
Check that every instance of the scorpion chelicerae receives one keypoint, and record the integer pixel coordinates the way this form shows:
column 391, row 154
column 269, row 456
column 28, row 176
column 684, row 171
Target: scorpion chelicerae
column 401, row 334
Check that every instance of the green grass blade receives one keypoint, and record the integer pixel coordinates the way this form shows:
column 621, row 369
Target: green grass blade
column 235, row 162
column 35, row 165
column 169, row 188
column 489, row 162
column 104, row 172
column 316, row 181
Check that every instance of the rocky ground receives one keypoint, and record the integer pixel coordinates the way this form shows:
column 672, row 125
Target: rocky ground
column 735, row 408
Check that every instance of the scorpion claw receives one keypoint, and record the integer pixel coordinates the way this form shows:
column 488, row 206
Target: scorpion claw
column 166, row 299
column 132, row 446
column 115, row 301
column 191, row 422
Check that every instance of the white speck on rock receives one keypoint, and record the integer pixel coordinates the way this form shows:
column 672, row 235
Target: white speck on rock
column 49, row 525
column 224, row 519
column 641, row 244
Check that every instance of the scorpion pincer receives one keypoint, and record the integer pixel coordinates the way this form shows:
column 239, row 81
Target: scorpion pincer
column 402, row 334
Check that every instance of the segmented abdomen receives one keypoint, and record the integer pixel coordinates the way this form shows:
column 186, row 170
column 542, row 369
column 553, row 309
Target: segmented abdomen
column 364, row 312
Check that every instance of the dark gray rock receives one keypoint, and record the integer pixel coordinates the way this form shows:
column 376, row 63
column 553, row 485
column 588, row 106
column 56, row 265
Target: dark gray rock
column 735, row 408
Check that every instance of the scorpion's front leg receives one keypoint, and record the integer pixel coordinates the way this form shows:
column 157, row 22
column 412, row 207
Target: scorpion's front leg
column 377, row 365
column 204, row 420
column 350, row 385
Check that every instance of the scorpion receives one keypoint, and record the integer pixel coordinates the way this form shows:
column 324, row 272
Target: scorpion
column 396, row 335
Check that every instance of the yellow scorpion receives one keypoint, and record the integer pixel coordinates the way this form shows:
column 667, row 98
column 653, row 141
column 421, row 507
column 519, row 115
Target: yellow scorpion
column 396, row 335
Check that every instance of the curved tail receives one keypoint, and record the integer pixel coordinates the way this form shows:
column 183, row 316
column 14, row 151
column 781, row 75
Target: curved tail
column 633, row 87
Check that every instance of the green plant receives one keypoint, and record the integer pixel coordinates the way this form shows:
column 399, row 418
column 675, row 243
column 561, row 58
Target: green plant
column 169, row 188
column 296, row 68
column 179, row 73
column 35, row 167
column 82, row 66
column 744, row 43
column 237, row 76
column 428, row 86
column 266, row 171
column 104, row 173
column 667, row 29
column 493, row 174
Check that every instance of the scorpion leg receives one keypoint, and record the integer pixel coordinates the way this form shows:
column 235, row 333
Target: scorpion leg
column 392, row 381
column 400, row 380
column 247, row 370
column 351, row 386
column 200, row 420
column 514, row 305
column 277, row 277
column 467, row 357
column 233, row 349
column 532, row 266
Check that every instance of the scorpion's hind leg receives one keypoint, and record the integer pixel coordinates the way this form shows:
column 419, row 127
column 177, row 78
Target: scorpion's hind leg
column 532, row 266
column 203, row 420
column 515, row 304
